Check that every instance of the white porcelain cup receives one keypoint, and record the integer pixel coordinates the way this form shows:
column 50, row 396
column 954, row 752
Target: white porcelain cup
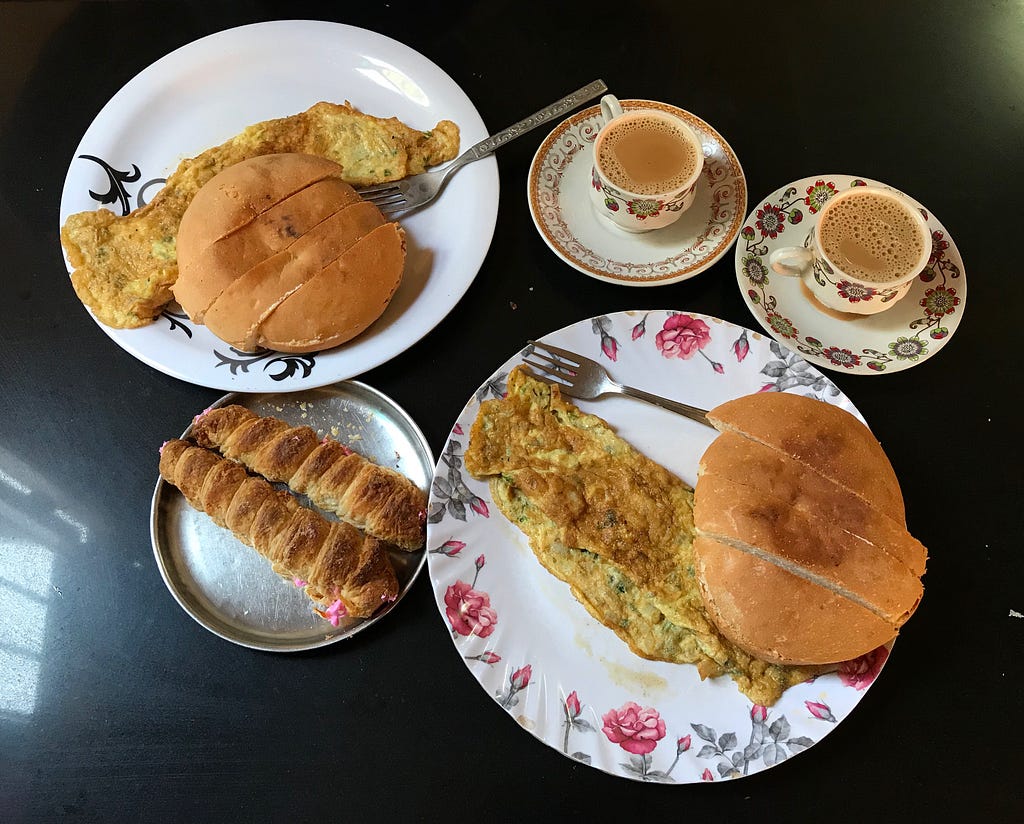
column 869, row 245
column 657, row 205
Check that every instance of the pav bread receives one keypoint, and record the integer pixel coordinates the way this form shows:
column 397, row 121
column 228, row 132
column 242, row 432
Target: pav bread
column 279, row 252
column 802, row 553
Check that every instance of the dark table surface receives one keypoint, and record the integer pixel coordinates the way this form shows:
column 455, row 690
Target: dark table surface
column 116, row 706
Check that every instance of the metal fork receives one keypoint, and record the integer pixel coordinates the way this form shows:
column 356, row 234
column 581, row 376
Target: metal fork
column 413, row 192
column 583, row 378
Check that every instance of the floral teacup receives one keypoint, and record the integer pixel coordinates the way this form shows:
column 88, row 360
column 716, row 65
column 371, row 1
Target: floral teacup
column 644, row 211
column 840, row 287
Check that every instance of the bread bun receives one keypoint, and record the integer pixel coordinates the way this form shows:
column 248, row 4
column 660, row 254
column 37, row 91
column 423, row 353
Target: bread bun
column 261, row 232
column 802, row 553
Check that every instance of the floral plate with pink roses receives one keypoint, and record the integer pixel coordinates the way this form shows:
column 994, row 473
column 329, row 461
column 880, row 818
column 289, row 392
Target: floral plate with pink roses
column 562, row 675
column 905, row 335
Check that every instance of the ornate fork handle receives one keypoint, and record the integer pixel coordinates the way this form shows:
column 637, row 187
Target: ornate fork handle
column 567, row 103
column 691, row 412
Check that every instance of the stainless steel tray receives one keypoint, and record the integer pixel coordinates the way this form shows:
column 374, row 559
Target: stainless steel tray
column 230, row 588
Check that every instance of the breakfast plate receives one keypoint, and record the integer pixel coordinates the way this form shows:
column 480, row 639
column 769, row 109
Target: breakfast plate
column 208, row 91
column 557, row 191
column 912, row 331
column 229, row 588
column 563, row 676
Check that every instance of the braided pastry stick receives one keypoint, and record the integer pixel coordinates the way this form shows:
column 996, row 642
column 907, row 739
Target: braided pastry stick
column 380, row 501
column 336, row 561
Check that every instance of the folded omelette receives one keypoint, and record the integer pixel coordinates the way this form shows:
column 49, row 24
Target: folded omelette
column 611, row 523
column 125, row 265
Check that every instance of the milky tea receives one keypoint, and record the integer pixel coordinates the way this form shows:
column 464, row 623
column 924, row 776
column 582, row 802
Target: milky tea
column 872, row 237
column 646, row 154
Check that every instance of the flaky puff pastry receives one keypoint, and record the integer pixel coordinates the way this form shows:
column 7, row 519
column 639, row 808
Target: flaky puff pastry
column 337, row 562
column 378, row 500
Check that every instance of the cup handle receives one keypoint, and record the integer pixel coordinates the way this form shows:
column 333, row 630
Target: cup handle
column 791, row 261
column 610, row 108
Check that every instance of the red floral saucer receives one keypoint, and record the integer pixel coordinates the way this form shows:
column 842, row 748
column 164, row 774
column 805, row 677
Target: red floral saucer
column 908, row 334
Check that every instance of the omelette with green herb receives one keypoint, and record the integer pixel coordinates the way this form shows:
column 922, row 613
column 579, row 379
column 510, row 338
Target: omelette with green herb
column 125, row 265
column 611, row 523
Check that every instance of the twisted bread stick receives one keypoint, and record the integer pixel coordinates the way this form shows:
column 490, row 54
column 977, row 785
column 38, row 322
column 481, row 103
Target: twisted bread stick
column 336, row 561
column 378, row 500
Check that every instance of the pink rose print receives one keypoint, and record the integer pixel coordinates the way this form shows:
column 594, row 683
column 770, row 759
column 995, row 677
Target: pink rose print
column 637, row 730
column 487, row 656
column 521, row 677
column 741, row 347
column 519, row 680
column 706, row 775
column 469, row 611
column 758, row 713
column 861, row 672
column 457, row 429
column 640, row 329
column 610, row 347
column 573, row 710
column 479, row 506
column 572, row 706
column 683, row 744
column 820, row 711
column 451, row 548
column 682, row 336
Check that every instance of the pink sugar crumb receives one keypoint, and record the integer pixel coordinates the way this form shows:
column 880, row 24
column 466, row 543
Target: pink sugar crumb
column 299, row 582
column 205, row 412
column 334, row 613
column 388, row 598
column 164, row 444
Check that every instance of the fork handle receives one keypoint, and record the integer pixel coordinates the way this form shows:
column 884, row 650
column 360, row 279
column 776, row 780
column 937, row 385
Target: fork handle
column 691, row 412
column 488, row 145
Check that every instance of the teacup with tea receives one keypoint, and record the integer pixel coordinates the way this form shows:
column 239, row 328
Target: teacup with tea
column 647, row 163
column 869, row 245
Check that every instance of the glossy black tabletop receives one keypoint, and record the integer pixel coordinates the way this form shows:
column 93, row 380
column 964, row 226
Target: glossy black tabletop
column 116, row 706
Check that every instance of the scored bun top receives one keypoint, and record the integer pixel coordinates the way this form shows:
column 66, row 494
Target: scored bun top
column 278, row 252
column 802, row 555
column 241, row 192
column 824, row 437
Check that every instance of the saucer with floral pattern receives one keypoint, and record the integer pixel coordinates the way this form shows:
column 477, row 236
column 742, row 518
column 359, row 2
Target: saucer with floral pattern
column 908, row 334
column 569, row 224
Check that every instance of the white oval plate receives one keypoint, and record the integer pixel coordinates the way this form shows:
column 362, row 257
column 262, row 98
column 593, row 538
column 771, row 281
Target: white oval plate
column 207, row 91
column 229, row 588
column 563, row 214
column 903, row 336
column 556, row 670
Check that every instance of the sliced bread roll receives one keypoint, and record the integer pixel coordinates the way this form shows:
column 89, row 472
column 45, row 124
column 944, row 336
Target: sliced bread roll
column 235, row 316
column 343, row 299
column 236, row 196
column 802, row 555
column 203, row 277
column 813, row 547
column 278, row 252
column 733, row 457
column 823, row 437
column 803, row 616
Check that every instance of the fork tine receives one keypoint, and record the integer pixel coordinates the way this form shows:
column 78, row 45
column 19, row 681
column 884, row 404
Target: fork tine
column 394, row 198
column 373, row 190
column 547, row 375
column 561, row 366
column 569, row 357
column 552, row 367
